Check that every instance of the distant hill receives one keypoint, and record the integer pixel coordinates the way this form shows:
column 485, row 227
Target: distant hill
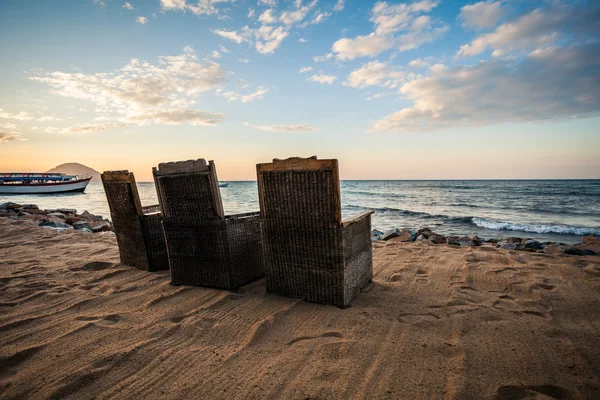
column 76, row 169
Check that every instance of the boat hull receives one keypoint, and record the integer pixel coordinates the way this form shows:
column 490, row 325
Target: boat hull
column 46, row 188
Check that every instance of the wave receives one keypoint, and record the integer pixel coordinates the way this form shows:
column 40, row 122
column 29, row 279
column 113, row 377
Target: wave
column 535, row 228
column 424, row 215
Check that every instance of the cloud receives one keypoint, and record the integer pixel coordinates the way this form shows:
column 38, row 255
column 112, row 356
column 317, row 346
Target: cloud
column 86, row 128
column 419, row 63
column 7, row 136
column 284, row 128
column 271, row 3
column 250, row 12
column 302, row 40
column 128, row 6
column 326, row 57
column 377, row 96
column 141, row 91
column 101, row 3
column 267, row 17
column 376, row 73
column 339, row 5
column 305, row 69
column 243, row 60
column 231, row 35
column 484, row 14
column 536, row 29
column 178, row 116
column 141, row 20
column 215, row 54
column 244, row 98
column 224, row 49
column 200, row 7
column 324, row 79
column 548, row 84
column 320, row 17
column 397, row 26
column 21, row 116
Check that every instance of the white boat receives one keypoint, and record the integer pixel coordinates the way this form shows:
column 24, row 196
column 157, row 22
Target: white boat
column 41, row 183
column 223, row 184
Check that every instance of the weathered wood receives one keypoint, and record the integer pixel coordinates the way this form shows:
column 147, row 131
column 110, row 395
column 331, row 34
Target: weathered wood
column 357, row 218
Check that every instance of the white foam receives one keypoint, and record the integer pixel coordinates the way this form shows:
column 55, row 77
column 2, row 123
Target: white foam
column 560, row 229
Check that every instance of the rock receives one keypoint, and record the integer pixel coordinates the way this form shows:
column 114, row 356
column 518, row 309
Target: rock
column 22, row 213
column 67, row 210
column 57, row 214
column 392, row 233
column 588, row 252
column 493, row 241
column 515, row 240
column 86, row 230
column 55, row 225
column 437, row 239
column 30, row 207
column 591, row 243
column 420, row 237
column 533, row 244
column 452, row 240
column 57, row 220
column 508, row 246
column 8, row 213
column 375, row 234
column 72, row 220
column 405, row 236
column 425, row 232
column 79, row 225
column 573, row 251
column 10, row 206
column 91, row 217
column 477, row 241
column 465, row 243
column 103, row 227
column 552, row 249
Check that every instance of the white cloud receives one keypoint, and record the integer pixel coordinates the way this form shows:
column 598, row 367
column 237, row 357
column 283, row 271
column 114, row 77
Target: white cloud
column 128, row 6
column 305, row 69
column 142, row 92
column 200, row 7
column 231, row 35
column 377, row 96
column 549, row 84
column 326, row 57
column 7, row 136
column 376, row 73
column 536, row 29
column 233, row 96
column 267, row 17
column 250, row 12
column 8, row 125
column 324, row 79
column 295, row 16
column 339, row 5
column 243, row 60
column 21, row 116
column 419, row 63
column 141, row 20
column 271, row 3
column 484, row 14
column 172, row 4
column 283, row 128
column 101, row 3
column 397, row 26
column 224, row 49
column 86, row 128
column 302, row 40
column 320, row 17
column 215, row 54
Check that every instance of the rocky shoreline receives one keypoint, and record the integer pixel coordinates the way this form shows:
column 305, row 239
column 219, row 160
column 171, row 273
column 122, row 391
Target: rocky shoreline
column 589, row 246
column 58, row 219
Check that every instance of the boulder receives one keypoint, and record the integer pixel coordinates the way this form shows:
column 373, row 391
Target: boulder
column 72, row 220
column 391, row 233
column 58, row 220
column 465, row 243
column 79, row 225
column 91, row 217
column 515, row 240
column 533, row 244
column 57, row 214
column 30, row 207
column 420, row 237
column 55, row 225
column 405, row 236
column 507, row 245
column 67, row 210
column 8, row 213
column 477, row 241
column 102, row 227
column 10, row 206
column 493, row 241
column 437, row 239
column 452, row 240
column 425, row 232
column 375, row 234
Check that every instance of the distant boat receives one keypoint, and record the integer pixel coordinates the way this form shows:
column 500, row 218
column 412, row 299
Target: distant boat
column 223, row 184
column 41, row 183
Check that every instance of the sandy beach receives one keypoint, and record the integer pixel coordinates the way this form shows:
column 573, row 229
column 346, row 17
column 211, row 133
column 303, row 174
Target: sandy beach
column 438, row 322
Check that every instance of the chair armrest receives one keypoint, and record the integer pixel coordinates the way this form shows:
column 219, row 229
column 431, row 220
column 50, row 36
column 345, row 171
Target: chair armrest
column 357, row 218
column 252, row 214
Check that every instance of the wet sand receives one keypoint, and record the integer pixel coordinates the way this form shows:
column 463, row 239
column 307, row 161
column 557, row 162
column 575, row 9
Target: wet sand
column 438, row 322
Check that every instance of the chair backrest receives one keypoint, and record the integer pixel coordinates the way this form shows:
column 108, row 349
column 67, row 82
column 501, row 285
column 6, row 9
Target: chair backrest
column 121, row 193
column 188, row 190
column 300, row 191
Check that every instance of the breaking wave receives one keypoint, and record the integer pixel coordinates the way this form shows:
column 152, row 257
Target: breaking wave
column 535, row 228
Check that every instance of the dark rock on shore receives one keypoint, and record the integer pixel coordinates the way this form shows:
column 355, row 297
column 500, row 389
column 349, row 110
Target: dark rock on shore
column 59, row 219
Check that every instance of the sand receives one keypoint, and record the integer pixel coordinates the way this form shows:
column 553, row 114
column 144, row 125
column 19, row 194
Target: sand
column 438, row 322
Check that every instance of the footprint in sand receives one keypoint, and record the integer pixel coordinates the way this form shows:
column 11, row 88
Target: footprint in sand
column 102, row 319
column 422, row 276
column 534, row 391
column 413, row 319
column 93, row 266
column 332, row 334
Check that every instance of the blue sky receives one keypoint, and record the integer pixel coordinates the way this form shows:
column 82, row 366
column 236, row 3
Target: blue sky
column 408, row 90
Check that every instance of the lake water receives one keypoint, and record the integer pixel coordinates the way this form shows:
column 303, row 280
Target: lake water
column 549, row 210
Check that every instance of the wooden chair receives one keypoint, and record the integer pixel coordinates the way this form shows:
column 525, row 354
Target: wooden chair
column 205, row 247
column 310, row 253
column 138, row 229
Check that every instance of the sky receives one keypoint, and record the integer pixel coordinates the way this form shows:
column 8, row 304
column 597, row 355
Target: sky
column 426, row 89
